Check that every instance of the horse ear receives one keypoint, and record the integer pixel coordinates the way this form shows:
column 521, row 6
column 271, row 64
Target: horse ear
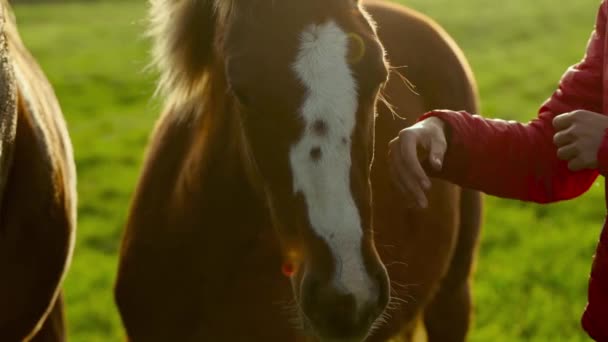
column 184, row 35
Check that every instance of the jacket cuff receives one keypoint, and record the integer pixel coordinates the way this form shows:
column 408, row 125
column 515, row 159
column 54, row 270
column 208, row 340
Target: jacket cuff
column 602, row 155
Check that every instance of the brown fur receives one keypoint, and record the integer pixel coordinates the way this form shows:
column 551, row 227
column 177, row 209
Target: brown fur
column 439, row 244
column 200, row 260
column 38, row 212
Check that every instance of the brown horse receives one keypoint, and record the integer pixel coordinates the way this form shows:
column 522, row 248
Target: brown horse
column 263, row 161
column 37, row 195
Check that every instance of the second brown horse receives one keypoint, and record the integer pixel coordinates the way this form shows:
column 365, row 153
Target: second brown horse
column 37, row 195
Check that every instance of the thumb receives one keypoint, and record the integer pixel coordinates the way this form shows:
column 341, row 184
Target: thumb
column 437, row 153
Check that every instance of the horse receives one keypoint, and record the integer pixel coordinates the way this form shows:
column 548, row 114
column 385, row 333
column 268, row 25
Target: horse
column 37, row 195
column 264, row 209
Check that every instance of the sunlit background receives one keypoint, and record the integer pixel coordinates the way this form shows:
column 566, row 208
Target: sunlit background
column 534, row 261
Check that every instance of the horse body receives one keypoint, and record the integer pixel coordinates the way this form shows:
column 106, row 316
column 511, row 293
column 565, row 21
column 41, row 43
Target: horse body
column 430, row 252
column 201, row 257
column 38, row 208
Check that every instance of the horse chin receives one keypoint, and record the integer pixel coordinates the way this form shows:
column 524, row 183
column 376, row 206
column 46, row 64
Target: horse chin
column 309, row 329
column 361, row 339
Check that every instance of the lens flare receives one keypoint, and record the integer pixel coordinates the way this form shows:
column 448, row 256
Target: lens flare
column 356, row 49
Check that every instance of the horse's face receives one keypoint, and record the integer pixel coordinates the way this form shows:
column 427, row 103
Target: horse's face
column 306, row 76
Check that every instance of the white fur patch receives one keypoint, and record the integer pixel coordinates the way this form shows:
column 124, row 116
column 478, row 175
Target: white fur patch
column 325, row 183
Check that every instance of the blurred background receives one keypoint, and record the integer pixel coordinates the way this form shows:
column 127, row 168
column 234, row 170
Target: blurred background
column 534, row 261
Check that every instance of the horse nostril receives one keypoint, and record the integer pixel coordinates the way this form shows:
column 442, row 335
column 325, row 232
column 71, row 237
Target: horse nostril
column 346, row 303
column 338, row 316
column 335, row 313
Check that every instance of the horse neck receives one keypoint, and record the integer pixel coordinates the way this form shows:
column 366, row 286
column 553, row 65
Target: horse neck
column 217, row 164
column 8, row 101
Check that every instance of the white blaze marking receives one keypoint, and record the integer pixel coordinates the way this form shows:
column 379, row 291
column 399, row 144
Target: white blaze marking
column 325, row 183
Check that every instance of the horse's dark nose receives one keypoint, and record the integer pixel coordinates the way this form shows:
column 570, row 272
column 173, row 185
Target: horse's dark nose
column 337, row 314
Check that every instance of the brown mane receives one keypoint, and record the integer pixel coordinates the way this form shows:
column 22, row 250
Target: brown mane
column 183, row 44
column 191, row 78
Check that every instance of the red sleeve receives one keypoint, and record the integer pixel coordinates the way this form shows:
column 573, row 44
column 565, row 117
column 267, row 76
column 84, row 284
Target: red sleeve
column 514, row 160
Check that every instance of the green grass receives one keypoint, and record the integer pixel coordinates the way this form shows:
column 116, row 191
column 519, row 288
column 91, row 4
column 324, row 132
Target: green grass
column 534, row 260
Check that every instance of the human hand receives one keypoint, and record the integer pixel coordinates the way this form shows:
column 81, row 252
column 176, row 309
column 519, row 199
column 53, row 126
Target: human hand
column 578, row 137
column 424, row 141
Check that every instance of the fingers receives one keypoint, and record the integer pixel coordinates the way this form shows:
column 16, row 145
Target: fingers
column 407, row 171
column 394, row 161
column 577, row 164
column 578, row 138
column 437, row 153
column 424, row 141
column 568, row 152
column 564, row 137
column 413, row 174
column 564, row 121
column 409, row 201
column 576, row 157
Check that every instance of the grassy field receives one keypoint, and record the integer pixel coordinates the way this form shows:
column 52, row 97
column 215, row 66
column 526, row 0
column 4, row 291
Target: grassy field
column 534, row 264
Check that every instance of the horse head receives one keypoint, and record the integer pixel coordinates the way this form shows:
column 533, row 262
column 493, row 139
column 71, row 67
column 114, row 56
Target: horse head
column 304, row 78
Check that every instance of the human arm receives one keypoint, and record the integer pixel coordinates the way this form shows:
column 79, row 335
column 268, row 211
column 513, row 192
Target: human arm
column 506, row 159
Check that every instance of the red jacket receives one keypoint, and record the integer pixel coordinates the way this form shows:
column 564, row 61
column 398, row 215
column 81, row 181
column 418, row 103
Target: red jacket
column 519, row 161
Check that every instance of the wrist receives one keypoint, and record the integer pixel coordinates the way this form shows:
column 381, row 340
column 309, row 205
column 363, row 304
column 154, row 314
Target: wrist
column 436, row 122
column 440, row 124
